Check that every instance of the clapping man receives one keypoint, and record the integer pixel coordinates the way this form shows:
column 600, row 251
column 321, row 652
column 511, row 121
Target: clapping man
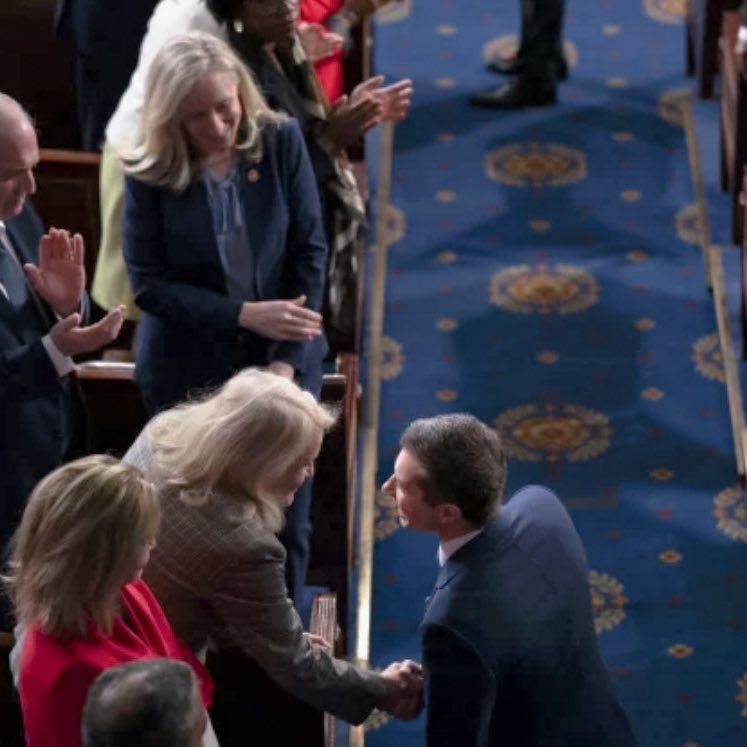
column 510, row 655
column 42, row 305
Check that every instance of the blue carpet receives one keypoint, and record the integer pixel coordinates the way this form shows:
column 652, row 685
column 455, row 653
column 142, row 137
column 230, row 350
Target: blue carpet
column 546, row 278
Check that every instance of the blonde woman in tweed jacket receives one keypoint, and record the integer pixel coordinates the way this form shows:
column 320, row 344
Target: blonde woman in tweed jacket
column 226, row 468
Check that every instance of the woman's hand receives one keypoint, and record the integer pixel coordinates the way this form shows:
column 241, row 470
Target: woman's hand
column 317, row 41
column 281, row 320
column 349, row 120
column 394, row 100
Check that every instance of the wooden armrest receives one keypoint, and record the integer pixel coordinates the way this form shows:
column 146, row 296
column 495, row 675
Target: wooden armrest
column 105, row 371
column 324, row 623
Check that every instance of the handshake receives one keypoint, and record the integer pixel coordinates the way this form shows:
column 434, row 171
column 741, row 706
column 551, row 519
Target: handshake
column 404, row 689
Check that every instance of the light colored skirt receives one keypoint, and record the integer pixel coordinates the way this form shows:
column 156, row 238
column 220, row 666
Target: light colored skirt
column 111, row 283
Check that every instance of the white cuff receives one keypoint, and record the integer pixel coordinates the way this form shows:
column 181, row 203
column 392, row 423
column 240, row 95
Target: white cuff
column 63, row 363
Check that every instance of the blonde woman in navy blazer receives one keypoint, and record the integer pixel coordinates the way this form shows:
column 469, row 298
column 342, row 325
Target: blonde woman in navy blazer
column 223, row 238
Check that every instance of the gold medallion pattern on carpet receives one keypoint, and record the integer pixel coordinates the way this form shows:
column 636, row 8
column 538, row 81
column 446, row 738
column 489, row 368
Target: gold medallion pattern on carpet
column 666, row 11
column 393, row 12
column 707, row 358
column 543, row 289
column 687, row 224
column 730, row 512
column 608, row 601
column 386, row 521
column 535, row 165
column 392, row 358
column 554, row 432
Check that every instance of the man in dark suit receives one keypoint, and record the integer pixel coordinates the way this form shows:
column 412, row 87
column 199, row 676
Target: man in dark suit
column 107, row 36
column 42, row 302
column 539, row 64
column 510, row 654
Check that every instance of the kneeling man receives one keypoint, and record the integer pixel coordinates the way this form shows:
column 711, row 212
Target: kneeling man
column 509, row 648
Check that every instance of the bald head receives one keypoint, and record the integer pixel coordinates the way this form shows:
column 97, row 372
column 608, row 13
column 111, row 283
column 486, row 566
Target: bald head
column 19, row 153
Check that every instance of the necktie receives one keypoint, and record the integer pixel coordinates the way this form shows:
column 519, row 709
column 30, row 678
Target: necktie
column 11, row 274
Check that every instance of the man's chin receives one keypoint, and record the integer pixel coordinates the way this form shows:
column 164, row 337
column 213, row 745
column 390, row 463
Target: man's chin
column 12, row 210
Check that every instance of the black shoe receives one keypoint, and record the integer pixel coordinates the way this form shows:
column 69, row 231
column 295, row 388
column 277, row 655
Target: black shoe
column 515, row 95
column 515, row 65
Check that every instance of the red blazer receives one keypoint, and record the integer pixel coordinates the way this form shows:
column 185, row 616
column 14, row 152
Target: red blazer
column 55, row 675
column 331, row 70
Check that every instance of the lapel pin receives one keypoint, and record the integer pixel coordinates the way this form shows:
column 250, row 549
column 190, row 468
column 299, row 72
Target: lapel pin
column 252, row 175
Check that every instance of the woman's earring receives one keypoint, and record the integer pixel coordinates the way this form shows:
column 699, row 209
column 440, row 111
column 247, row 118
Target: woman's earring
column 238, row 25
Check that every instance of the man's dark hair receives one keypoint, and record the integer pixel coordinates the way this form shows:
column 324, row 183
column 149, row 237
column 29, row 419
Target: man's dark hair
column 463, row 460
column 144, row 703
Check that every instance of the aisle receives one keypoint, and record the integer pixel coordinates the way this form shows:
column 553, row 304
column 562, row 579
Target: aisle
column 547, row 280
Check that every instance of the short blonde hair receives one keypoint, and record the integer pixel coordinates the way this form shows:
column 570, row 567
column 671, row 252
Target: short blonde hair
column 162, row 154
column 80, row 534
column 238, row 441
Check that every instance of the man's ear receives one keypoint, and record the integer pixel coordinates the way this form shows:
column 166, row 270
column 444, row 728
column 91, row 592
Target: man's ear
column 449, row 513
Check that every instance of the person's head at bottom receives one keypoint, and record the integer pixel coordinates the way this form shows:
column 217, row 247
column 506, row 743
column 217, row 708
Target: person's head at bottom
column 146, row 703
column 449, row 476
column 86, row 532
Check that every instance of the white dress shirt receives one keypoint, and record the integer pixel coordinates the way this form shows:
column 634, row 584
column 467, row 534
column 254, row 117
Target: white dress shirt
column 448, row 548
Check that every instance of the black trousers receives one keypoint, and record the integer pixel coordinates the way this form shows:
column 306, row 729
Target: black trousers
column 541, row 45
column 250, row 710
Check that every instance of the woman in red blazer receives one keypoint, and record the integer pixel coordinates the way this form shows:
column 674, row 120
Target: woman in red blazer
column 74, row 578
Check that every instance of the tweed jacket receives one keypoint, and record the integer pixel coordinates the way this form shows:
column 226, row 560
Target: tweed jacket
column 224, row 580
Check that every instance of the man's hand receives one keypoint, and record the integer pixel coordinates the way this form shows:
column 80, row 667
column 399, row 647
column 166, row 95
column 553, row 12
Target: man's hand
column 317, row 41
column 72, row 339
column 404, row 698
column 394, row 100
column 60, row 278
column 281, row 320
column 348, row 120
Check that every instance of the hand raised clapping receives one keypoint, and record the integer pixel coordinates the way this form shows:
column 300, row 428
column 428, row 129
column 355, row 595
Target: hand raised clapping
column 60, row 278
column 394, row 100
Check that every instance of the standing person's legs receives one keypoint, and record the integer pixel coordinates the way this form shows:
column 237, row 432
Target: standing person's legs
column 539, row 63
column 296, row 535
column 541, row 48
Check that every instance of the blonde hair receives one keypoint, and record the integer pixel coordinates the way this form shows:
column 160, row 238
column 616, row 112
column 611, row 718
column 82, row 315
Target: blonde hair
column 238, row 441
column 162, row 154
column 79, row 537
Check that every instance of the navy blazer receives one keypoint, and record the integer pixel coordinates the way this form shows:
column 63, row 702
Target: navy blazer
column 189, row 335
column 42, row 418
column 509, row 648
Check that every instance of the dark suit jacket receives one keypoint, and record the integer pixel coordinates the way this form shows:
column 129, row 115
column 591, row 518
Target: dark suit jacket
column 509, row 648
column 107, row 36
column 189, row 336
column 42, row 419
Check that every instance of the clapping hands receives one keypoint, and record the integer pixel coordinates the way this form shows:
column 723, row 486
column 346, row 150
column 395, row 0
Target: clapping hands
column 60, row 278
column 318, row 42
column 404, row 698
column 393, row 100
